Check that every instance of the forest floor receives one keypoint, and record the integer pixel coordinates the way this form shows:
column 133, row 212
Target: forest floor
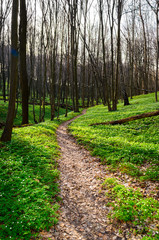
column 83, row 213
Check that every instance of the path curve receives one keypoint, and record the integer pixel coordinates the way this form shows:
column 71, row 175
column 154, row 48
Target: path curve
column 83, row 211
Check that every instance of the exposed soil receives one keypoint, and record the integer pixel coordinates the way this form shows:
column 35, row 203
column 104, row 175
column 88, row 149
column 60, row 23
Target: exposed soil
column 83, row 213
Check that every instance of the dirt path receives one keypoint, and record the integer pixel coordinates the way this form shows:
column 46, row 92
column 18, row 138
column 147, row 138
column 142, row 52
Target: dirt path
column 83, row 211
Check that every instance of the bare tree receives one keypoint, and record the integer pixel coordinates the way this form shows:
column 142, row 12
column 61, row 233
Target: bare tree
column 156, row 11
column 53, row 55
column 75, row 22
column 85, row 12
column 145, row 73
column 23, row 70
column 111, row 24
column 5, row 7
column 119, row 10
column 106, row 91
column 6, row 135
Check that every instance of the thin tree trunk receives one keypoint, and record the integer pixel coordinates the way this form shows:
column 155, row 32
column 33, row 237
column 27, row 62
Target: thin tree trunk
column 105, row 83
column 132, row 52
column 111, row 22
column 3, row 70
column 157, row 59
column 60, row 72
column 145, row 75
column 32, row 61
column 120, row 2
column 23, row 71
column 6, row 135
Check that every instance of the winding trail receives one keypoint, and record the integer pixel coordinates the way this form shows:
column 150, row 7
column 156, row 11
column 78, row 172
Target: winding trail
column 83, row 211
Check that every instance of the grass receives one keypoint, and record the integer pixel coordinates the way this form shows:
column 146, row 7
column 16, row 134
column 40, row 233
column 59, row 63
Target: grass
column 28, row 168
column 18, row 119
column 129, row 205
column 28, row 180
column 126, row 147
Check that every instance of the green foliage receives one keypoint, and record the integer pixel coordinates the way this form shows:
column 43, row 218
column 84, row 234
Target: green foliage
column 110, row 182
column 28, row 181
column 128, row 145
column 18, row 119
column 152, row 173
column 129, row 205
column 151, row 238
column 130, row 169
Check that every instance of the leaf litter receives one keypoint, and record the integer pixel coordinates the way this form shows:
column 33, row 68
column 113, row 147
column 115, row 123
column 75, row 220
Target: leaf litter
column 84, row 211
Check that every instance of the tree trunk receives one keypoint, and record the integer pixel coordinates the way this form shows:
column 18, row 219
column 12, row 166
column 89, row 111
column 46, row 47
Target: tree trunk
column 128, row 119
column 120, row 2
column 111, row 22
column 132, row 51
column 23, row 71
column 106, row 90
column 157, row 59
column 145, row 74
column 6, row 135
column 60, row 74
column 3, row 70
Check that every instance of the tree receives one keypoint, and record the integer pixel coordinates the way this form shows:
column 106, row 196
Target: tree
column 119, row 9
column 6, row 135
column 23, row 70
column 106, row 90
column 156, row 11
column 145, row 73
column 4, row 11
column 53, row 55
column 111, row 23
column 73, row 8
column 85, row 11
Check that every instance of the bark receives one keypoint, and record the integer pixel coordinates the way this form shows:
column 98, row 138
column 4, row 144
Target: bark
column 157, row 58
column 120, row 4
column 74, row 51
column 68, row 68
column 145, row 75
column 6, row 135
column 123, row 88
column 32, row 61
column 132, row 51
column 111, row 23
column 156, row 11
column 105, row 80
column 84, row 55
column 128, row 119
column 23, row 71
column 52, row 93
column 54, row 46
column 3, row 70
column 60, row 74
column 44, row 86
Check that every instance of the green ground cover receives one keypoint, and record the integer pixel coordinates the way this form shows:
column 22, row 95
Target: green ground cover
column 129, row 205
column 128, row 146
column 18, row 119
column 28, row 168
column 131, row 148
column 28, row 180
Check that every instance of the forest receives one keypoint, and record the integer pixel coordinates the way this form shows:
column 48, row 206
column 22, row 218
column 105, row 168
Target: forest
column 79, row 119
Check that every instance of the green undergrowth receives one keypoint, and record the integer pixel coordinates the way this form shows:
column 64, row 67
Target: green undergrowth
column 18, row 118
column 124, row 147
column 129, row 205
column 28, row 181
